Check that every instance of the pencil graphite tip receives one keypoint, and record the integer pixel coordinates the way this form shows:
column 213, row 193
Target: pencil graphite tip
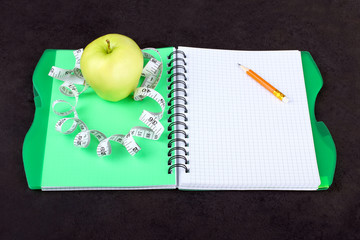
column 243, row 67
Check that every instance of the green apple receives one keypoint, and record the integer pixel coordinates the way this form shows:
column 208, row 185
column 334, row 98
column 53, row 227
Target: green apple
column 112, row 66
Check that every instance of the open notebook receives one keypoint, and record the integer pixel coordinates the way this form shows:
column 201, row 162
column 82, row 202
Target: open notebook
column 226, row 132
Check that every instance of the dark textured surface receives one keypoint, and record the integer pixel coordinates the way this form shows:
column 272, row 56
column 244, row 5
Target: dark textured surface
column 330, row 30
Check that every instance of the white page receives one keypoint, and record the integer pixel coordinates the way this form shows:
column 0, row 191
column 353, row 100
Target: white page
column 240, row 135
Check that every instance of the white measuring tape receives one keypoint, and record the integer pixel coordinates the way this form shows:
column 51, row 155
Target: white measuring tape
column 72, row 77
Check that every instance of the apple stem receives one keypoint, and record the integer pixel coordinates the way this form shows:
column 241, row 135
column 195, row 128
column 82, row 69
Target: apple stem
column 108, row 49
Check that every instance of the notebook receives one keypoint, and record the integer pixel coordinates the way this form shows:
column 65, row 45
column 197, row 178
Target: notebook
column 223, row 131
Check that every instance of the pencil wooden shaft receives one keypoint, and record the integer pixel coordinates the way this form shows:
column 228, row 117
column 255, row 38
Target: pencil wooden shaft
column 260, row 80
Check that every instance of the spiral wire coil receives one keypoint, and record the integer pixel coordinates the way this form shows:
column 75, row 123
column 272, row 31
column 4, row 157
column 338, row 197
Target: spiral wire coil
column 176, row 119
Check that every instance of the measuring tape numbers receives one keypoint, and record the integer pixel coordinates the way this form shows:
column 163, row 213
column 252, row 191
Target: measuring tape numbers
column 152, row 73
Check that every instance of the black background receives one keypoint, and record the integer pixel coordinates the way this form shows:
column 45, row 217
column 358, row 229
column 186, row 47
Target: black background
column 329, row 30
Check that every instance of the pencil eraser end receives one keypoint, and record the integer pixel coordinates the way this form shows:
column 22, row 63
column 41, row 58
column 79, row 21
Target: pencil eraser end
column 285, row 100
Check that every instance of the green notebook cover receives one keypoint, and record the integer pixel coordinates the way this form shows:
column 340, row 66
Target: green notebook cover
column 324, row 144
column 68, row 166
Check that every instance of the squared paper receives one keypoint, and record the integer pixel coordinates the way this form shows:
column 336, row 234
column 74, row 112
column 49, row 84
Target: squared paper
column 240, row 135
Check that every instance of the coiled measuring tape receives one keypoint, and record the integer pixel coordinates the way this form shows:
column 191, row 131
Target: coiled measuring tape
column 151, row 72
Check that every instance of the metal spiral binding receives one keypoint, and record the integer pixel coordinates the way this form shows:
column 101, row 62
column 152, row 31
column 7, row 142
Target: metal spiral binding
column 177, row 119
column 175, row 60
column 187, row 170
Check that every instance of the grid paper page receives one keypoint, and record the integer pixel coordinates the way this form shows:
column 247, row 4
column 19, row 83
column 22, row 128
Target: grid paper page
column 240, row 135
